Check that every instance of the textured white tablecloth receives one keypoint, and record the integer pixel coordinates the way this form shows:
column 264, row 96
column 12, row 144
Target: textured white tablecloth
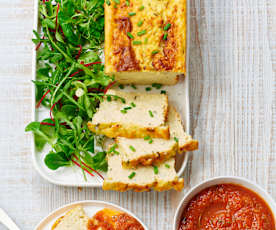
column 233, row 110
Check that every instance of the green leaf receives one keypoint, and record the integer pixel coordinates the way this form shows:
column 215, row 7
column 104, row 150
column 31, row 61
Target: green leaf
column 59, row 37
column 87, row 106
column 48, row 22
column 56, row 160
column 69, row 111
column 33, row 126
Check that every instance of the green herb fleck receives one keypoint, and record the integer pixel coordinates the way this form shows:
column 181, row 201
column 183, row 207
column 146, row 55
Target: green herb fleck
column 123, row 111
column 132, row 175
column 150, row 113
column 167, row 166
column 146, row 138
column 165, row 36
column 133, row 104
column 127, row 2
column 142, row 32
column 146, row 41
column 108, row 2
column 127, row 108
column 141, row 8
column 155, row 52
column 132, row 148
column 167, row 27
column 108, row 98
column 156, row 85
column 150, row 141
column 136, row 42
column 176, row 139
column 117, row 1
column 133, row 86
column 140, row 23
column 115, row 6
column 130, row 35
column 163, row 92
column 155, row 169
column 121, row 86
column 148, row 88
column 113, row 149
column 131, row 13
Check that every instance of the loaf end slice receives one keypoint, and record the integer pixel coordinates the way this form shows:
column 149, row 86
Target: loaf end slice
column 141, row 179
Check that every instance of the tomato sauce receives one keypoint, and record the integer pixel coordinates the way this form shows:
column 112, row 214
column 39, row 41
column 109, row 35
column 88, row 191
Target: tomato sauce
column 227, row 207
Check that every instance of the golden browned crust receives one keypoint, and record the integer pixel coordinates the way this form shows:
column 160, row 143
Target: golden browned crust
column 113, row 130
column 177, row 184
column 121, row 55
column 151, row 159
column 190, row 145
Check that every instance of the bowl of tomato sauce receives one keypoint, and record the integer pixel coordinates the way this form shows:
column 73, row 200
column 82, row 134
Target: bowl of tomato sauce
column 226, row 203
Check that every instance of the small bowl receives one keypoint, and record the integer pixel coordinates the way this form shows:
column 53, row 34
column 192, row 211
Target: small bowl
column 222, row 180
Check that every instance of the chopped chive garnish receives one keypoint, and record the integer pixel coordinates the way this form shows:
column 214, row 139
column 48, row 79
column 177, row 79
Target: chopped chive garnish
column 136, row 42
column 123, row 111
column 150, row 113
column 132, row 175
column 167, row 166
column 112, row 149
column 127, row 3
column 132, row 148
column 176, row 139
column 140, row 23
column 131, row 13
column 117, row 1
column 165, row 36
column 150, row 141
column 141, row 7
column 108, row 2
column 155, row 169
column 133, row 86
column 148, row 88
column 146, row 138
column 108, row 98
column 146, row 40
column 130, row 35
column 142, row 32
column 163, row 92
column 121, row 86
column 133, row 104
column 156, row 85
column 155, row 52
column 167, row 27
column 127, row 108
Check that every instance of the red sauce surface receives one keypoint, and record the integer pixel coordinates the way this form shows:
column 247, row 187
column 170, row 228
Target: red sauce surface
column 107, row 221
column 227, row 207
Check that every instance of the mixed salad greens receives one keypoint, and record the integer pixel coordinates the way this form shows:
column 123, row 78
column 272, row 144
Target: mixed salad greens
column 70, row 82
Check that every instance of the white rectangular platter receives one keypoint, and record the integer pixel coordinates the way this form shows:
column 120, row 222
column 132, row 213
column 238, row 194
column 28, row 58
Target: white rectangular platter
column 73, row 176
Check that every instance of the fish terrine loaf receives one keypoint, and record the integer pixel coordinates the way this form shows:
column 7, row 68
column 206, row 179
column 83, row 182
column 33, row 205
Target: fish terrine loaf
column 155, row 151
column 145, row 40
column 139, row 116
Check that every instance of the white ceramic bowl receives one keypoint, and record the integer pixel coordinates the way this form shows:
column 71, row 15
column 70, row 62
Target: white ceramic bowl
column 222, row 180
column 90, row 208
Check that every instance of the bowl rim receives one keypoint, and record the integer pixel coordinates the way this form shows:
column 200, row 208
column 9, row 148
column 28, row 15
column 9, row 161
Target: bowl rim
column 242, row 181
